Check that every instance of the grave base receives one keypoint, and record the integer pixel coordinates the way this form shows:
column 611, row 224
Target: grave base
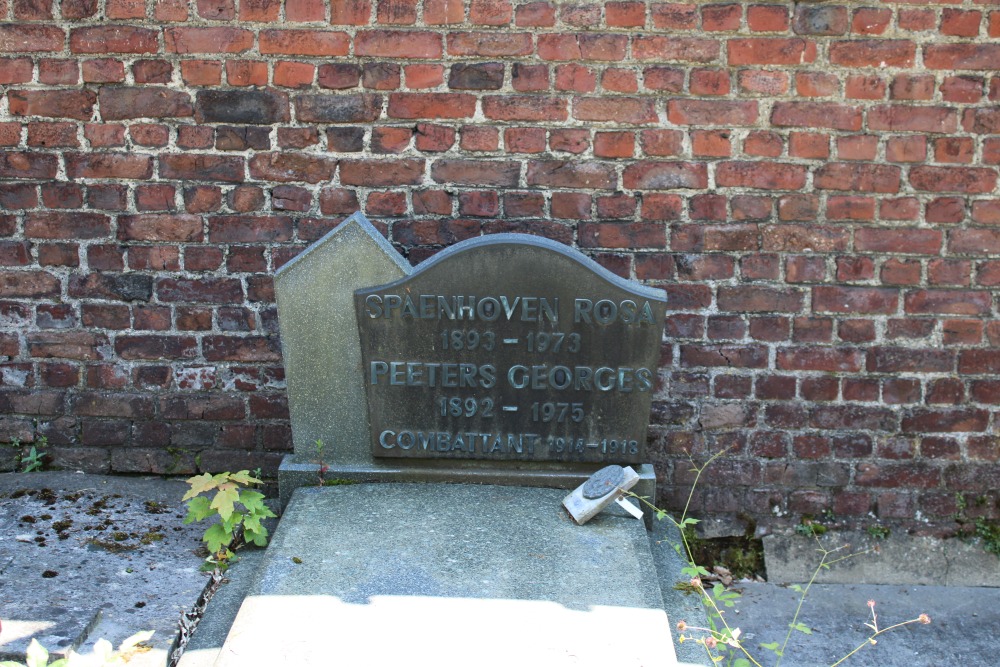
column 296, row 472
column 453, row 574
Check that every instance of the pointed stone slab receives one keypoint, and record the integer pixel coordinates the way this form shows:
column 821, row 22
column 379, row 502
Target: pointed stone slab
column 319, row 340
column 450, row 574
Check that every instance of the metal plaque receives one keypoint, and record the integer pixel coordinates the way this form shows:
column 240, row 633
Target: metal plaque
column 514, row 348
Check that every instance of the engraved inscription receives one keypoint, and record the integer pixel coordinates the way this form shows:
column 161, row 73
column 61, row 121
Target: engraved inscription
column 510, row 348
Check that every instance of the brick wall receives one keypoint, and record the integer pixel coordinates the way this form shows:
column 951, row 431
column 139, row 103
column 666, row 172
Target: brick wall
column 815, row 186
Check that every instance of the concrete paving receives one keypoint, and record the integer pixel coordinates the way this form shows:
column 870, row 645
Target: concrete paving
column 962, row 632
column 84, row 557
column 385, row 572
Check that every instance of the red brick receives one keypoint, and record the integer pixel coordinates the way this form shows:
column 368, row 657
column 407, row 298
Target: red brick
column 247, row 73
column 906, row 149
column 948, row 302
column 377, row 173
column 489, row 44
column 873, row 53
column 350, row 12
column 865, row 88
column 19, row 38
column 431, row 105
column 266, row 11
column 926, row 420
column 397, row 44
column 566, row 174
column 77, row 104
column 817, row 114
column 207, row 40
column 524, row 139
column 575, row 78
column 476, row 138
column 397, row 12
column 660, row 143
column 859, row 177
column 953, row 179
column 982, row 121
column 656, row 175
column 200, row 167
column 625, row 110
column 962, row 56
column 442, row 12
column 720, row 18
column 423, row 76
column 57, row 225
column 674, row 49
column 870, row 20
column 763, row 144
column 764, row 175
column 962, row 88
column 809, row 145
column 759, row 299
column 712, row 112
column 771, row 51
column 805, row 238
column 304, row 42
column 76, row 9
column 121, row 103
column 663, row 78
column 293, row 75
column 160, row 227
column 912, row 87
column 490, row 12
column 831, row 360
column 619, row 80
column 114, row 39
column 524, row 108
column 817, row 84
column 625, row 14
column 622, row 235
column 916, row 119
column 675, row 16
column 15, row 70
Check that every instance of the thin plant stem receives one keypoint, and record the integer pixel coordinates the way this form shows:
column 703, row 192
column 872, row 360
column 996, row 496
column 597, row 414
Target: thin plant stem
column 869, row 640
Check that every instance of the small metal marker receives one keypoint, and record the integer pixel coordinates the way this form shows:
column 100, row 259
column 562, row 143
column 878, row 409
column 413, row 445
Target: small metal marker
column 603, row 482
column 604, row 487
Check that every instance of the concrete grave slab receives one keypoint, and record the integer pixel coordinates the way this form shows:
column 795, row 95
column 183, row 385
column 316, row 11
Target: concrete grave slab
column 458, row 574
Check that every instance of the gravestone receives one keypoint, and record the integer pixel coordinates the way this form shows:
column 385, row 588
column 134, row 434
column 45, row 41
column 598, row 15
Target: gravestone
column 506, row 359
column 502, row 364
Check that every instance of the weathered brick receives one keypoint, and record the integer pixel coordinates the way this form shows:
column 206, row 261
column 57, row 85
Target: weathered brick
column 24, row 164
column 765, row 175
column 650, row 175
column 961, row 56
column 160, row 227
column 817, row 114
column 837, row 299
column 858, row 177
column 77, row 104
column 476, row 172
column 565, row 174
column 895, row 117
column 109, row 166
column 376, row 173
column 114, row 39
column 249, row 229
column 969, row 180
column 203, row 290
column 873, row 53
column 207, row 40
column 237, row 348
column 525, row 108
column 21, row 38
column 304, row 42
column 759, row 299
column 58, row 225
column 675, row 49
column 771, row 51
column 338, row 108
column 397, row 44
column 431, row 105
column 121, row 103
column 253, row 107
column 950, row 302
column 287, row 166
column 712, row 112
column 202, row 167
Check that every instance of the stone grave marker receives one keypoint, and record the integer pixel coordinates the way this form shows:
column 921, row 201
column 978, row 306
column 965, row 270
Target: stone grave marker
column 506, row 359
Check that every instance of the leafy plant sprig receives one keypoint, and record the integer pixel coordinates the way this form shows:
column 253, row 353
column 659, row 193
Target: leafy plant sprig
column 239, row 510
